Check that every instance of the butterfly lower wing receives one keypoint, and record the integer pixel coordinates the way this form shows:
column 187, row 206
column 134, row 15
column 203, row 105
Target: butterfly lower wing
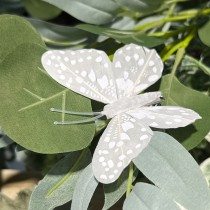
column 135, row 69
column 123, row 139
column 87, row 72
column 165, row 116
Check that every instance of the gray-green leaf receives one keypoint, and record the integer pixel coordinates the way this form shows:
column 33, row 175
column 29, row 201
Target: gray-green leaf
column 61, row 36
column 58, row 185
column 148, row 197
column 84, row 189
column 141, row 6
column 94, row 11
column 27, row 94
column 126, row 37
column 171, row 168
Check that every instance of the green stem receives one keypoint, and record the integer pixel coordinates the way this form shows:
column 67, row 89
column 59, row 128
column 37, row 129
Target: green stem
column 199, row 64
column 68, row 174
column 130, row 179
column 179, row 17
column 179, row 55
column 183, row 44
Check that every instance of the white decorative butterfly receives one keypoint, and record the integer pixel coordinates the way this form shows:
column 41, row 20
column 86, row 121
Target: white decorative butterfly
column 134, row 68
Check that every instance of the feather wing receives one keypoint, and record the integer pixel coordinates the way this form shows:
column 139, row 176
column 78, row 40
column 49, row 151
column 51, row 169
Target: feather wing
column 123, row 139
column 165, row 116
column 87, row 72
column 135, row 69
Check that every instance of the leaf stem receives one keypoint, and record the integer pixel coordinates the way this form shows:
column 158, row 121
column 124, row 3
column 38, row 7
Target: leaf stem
column 190, row 14
column 130, row 179
column 179, row 55
column 174, row 46
column 68, row 174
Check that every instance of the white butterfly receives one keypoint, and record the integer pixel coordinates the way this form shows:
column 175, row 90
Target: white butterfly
column 90, row 73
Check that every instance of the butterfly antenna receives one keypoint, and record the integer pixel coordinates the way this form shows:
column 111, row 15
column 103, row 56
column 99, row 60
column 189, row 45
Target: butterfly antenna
column 79, row 121
column 75, row 113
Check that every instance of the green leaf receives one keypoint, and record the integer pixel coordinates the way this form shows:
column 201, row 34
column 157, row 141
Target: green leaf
column 62, row 36
column 84, row 189
column 141, row 6
column 14, row 32
column 177, row 94
column 148, row 197
column 114, row 191
column 95, row 11
column 27, row 96
column 172, row 169
column 40, row 9
column 126, row 37
column 203, row 33
column 205, row 168
column 58, row 185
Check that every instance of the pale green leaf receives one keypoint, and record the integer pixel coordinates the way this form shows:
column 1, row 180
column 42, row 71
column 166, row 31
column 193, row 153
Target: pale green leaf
column 205, row 168
column 126, row 37
column 40, row 9
column 148, row 197
column 94, row 11
column 141, row 6
column 84, row 189
column 58, row 185
column 27, row 96
column 172, row 169
column 177, row 94
column 62, row 36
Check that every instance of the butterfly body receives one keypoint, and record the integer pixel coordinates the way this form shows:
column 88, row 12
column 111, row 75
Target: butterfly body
column 117, row 84
column 131, row 103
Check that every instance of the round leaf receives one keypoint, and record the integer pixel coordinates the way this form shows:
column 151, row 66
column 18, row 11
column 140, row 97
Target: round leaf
column 15, row 31
column 27, row 94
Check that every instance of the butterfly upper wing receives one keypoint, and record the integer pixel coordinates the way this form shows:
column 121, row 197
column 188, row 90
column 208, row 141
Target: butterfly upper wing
column 123, row 139
column 87, row 72
column 135, row 69
column 165, row 116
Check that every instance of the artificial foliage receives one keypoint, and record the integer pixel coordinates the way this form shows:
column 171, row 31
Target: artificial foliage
column 164, row 175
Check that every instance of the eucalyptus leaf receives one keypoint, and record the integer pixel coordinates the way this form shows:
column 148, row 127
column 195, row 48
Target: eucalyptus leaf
column 114, row 191
column 29, row 93
column 141, row 6
column 148, row 197
column 203, row 33
column 126, row 37
column 172, row 169
column 58, row 185
column 40, row 9
column 84, row 189
column 205, row 168
column 177, row 94
column 94, row 11
column 14, row 32
column 62, row 36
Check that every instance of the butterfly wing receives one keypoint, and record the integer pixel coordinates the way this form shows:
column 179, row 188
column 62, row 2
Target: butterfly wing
column 135, row 69
column 123, row 139
column 165, row 116
column 87, row 72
